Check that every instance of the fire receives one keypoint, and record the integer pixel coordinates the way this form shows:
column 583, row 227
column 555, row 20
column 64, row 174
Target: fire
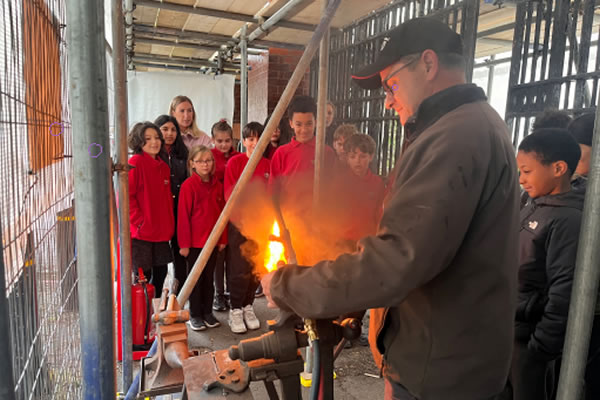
column 275, row 250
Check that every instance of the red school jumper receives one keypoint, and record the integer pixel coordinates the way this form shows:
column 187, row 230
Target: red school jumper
column 150, row 199
column 200, row 204
column 221, row 160
column 293, row 170
column 363, row 197
column 236, row 166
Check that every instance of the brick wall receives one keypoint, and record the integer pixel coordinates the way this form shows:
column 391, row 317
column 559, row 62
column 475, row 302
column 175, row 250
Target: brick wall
column 269, row 74
column 282, row 63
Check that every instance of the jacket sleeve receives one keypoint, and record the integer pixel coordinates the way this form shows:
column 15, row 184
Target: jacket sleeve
column 223, row 239
column 184, row 216
column 426, row 216
column 136, row 217
column 561, row 252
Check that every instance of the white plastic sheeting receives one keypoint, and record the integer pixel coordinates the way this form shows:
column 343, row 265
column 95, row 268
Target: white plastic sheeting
column 150, row 94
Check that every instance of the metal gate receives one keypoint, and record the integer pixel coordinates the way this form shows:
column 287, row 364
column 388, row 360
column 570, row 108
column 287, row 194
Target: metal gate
column 357, row 45
column 555, row 62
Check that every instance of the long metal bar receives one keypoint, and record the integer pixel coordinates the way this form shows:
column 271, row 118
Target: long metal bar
column 490, row 83
column 210, row 12
column 265, row 138
column 180, row 68
column 469, row 27
column 211, row 37
column 89, row 111
column 7, row 383
column 121, row 114
column 321, row 116
column 181, row 61
column 193, row 46
column 585, row 284
column 277, row 18
column 129, row 28
column 244, row 78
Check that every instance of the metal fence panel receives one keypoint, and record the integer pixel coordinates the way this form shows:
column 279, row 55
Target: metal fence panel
column 356, row 45
column 36, row 192
column 554, row 63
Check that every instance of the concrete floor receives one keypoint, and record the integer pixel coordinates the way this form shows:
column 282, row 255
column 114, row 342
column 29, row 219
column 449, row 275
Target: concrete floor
column 350, row 367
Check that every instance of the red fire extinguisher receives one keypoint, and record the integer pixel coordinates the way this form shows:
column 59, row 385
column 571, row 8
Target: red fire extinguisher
column 142, row 294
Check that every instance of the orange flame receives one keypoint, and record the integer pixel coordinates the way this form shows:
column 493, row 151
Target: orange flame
column 275, row 249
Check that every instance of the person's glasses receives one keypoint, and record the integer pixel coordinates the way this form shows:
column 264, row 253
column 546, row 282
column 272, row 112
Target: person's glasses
column 390, row 90
column 206, row 162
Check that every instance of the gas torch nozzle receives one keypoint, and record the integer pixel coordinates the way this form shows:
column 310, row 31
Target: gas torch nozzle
column 311, row 329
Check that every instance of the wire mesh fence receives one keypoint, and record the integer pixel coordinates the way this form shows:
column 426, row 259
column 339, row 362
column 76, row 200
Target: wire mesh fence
column 36, row 200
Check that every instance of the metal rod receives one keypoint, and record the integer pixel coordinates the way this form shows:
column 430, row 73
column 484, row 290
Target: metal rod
column 265, row 138
column 7, row 384
column 121, row 118
column 244, row 78
column 585, row 284
column 129, row 29
column 91, row 161
column 321, row 115
column 277, row 18
column 193, row 46
column 212, row 37
column 490, row 83
column 180, row 68
column 211, row 12
column 197, row 63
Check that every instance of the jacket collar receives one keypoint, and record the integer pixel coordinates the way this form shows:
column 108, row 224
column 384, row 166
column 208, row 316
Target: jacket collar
column 199, row 180
column 436, row 106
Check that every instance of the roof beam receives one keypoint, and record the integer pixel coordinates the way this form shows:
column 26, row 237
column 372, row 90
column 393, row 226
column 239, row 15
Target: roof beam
column 210, row 12
column 209, row 37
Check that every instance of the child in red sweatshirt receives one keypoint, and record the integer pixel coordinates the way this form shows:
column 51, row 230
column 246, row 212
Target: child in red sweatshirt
column 241, row 280
column 362, row 191
column 151, row 217
column 223, row 151
column 293, row 170
column 200, row 204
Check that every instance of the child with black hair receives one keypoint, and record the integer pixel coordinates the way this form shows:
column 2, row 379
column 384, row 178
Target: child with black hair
column 280, row 136
column 582, row 130
column 222, row 134
column 175, row 155
column 241, row 278
column 151, row 217
column 200, row 206
column 548, row 248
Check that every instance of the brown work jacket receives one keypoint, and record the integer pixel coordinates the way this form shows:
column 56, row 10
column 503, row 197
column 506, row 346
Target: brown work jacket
column 441, row 272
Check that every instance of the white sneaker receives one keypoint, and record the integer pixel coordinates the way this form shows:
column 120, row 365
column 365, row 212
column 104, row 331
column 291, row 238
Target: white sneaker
column 236, row 321
column 250, row 318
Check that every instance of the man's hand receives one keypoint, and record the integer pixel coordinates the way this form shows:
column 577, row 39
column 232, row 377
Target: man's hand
column 185, row 251
column 266, row 285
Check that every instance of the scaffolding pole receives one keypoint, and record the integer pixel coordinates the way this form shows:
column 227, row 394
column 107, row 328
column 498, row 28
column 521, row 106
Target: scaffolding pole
column 321, row 115
column 91, row 163
column 585, row 284
column 7, row 384
column 244, row 79
column 120, row 101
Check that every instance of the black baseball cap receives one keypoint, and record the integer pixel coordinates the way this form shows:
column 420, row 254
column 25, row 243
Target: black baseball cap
column 414, row 36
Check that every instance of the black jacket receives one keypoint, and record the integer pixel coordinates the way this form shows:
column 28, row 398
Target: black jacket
column 179, row 173
column 548, row 248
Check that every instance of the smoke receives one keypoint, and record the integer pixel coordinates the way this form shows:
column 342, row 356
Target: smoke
column 317, row 234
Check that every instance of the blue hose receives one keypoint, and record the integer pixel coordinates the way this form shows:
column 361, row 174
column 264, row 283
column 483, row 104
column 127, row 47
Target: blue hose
column 316, row 372
column 135, row 385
